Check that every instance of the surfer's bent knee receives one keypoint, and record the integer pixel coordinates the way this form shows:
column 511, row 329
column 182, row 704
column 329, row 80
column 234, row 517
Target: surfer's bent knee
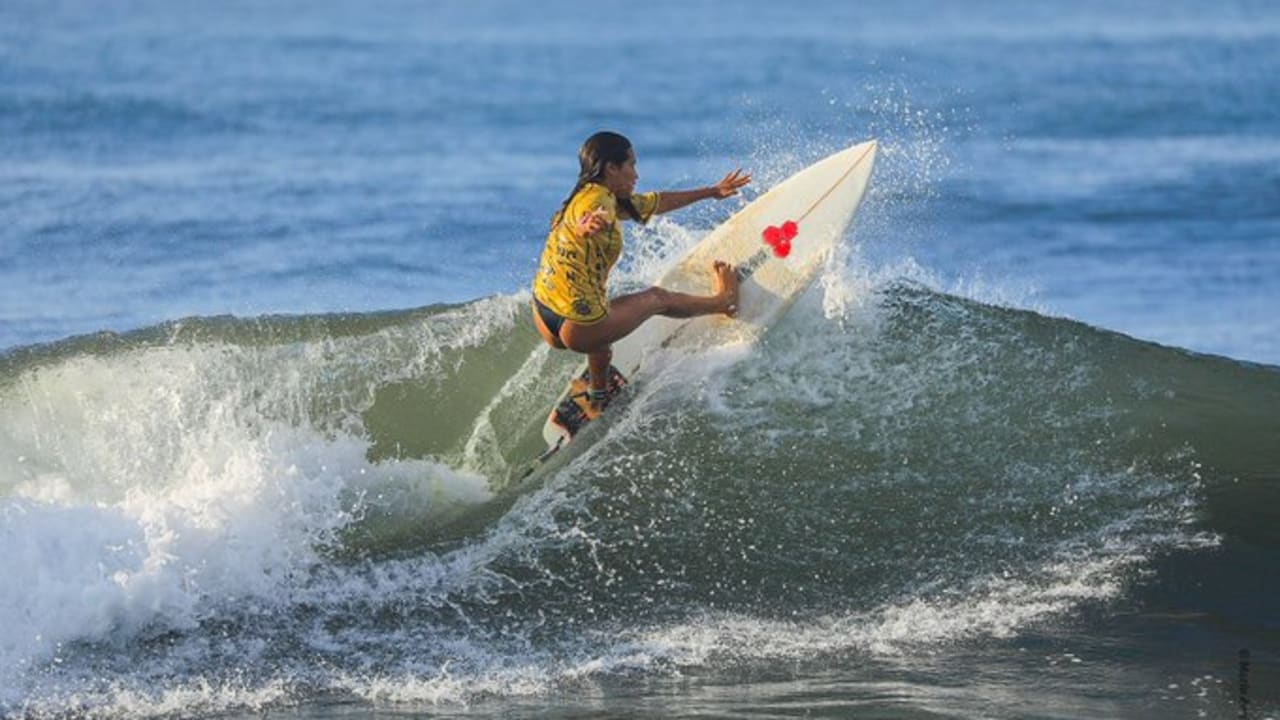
column 661, row 297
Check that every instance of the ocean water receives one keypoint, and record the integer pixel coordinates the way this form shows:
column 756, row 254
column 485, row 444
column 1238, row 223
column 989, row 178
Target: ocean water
column 267, row 375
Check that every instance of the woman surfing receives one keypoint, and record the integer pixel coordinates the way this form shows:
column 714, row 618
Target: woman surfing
column 571, row 309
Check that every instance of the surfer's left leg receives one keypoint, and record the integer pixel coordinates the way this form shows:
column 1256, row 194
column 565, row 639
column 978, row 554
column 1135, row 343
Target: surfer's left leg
column 628, row 312
column 680, row 305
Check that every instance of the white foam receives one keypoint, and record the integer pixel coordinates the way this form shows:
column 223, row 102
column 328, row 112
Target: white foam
column 477, row 669
column 998, row 607
column 152, row 487
column 170, row 556
column 199, row 697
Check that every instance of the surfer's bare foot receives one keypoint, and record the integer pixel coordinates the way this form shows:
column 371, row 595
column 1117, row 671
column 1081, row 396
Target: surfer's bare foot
column 726, row 286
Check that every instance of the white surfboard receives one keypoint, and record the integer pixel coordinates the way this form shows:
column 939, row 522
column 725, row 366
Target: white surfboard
column 820, row 200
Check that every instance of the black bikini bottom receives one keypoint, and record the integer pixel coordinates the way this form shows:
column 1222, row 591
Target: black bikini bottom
column 549, row 318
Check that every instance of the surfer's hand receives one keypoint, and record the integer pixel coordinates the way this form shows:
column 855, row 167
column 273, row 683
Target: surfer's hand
column 592, row 223
column 729, row 185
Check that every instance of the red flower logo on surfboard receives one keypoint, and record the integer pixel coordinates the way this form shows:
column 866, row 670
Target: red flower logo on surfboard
column 779, row 238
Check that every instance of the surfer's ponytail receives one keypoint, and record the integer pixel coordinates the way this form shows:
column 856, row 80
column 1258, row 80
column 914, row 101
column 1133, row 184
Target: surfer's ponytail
column 599, row 149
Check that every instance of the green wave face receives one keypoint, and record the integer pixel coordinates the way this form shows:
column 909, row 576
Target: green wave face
column 923, row 471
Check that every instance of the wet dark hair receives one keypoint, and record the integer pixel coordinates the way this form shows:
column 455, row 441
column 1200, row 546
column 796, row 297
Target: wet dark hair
column 599, row 149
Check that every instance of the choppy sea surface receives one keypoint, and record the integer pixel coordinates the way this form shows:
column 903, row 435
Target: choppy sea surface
column 267, row 378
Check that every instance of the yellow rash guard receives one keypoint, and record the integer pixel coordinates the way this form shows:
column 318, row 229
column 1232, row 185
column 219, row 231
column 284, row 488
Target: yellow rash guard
column 573, row 270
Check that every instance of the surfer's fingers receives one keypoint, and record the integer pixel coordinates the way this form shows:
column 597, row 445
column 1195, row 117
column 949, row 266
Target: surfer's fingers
column 729, row 184
column 596, row 217
column 592, row 222
column 736, row 179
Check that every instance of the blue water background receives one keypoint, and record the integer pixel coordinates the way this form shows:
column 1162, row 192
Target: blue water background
column 1116, row 164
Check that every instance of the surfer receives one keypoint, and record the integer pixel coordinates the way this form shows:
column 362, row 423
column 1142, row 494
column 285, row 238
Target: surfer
column 570, row 306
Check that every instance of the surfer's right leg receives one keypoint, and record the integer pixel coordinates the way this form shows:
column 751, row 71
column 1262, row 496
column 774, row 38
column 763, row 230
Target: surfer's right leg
column 598, row 363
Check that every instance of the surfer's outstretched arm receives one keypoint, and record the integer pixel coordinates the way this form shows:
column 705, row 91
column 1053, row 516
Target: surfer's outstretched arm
column 728, row 186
